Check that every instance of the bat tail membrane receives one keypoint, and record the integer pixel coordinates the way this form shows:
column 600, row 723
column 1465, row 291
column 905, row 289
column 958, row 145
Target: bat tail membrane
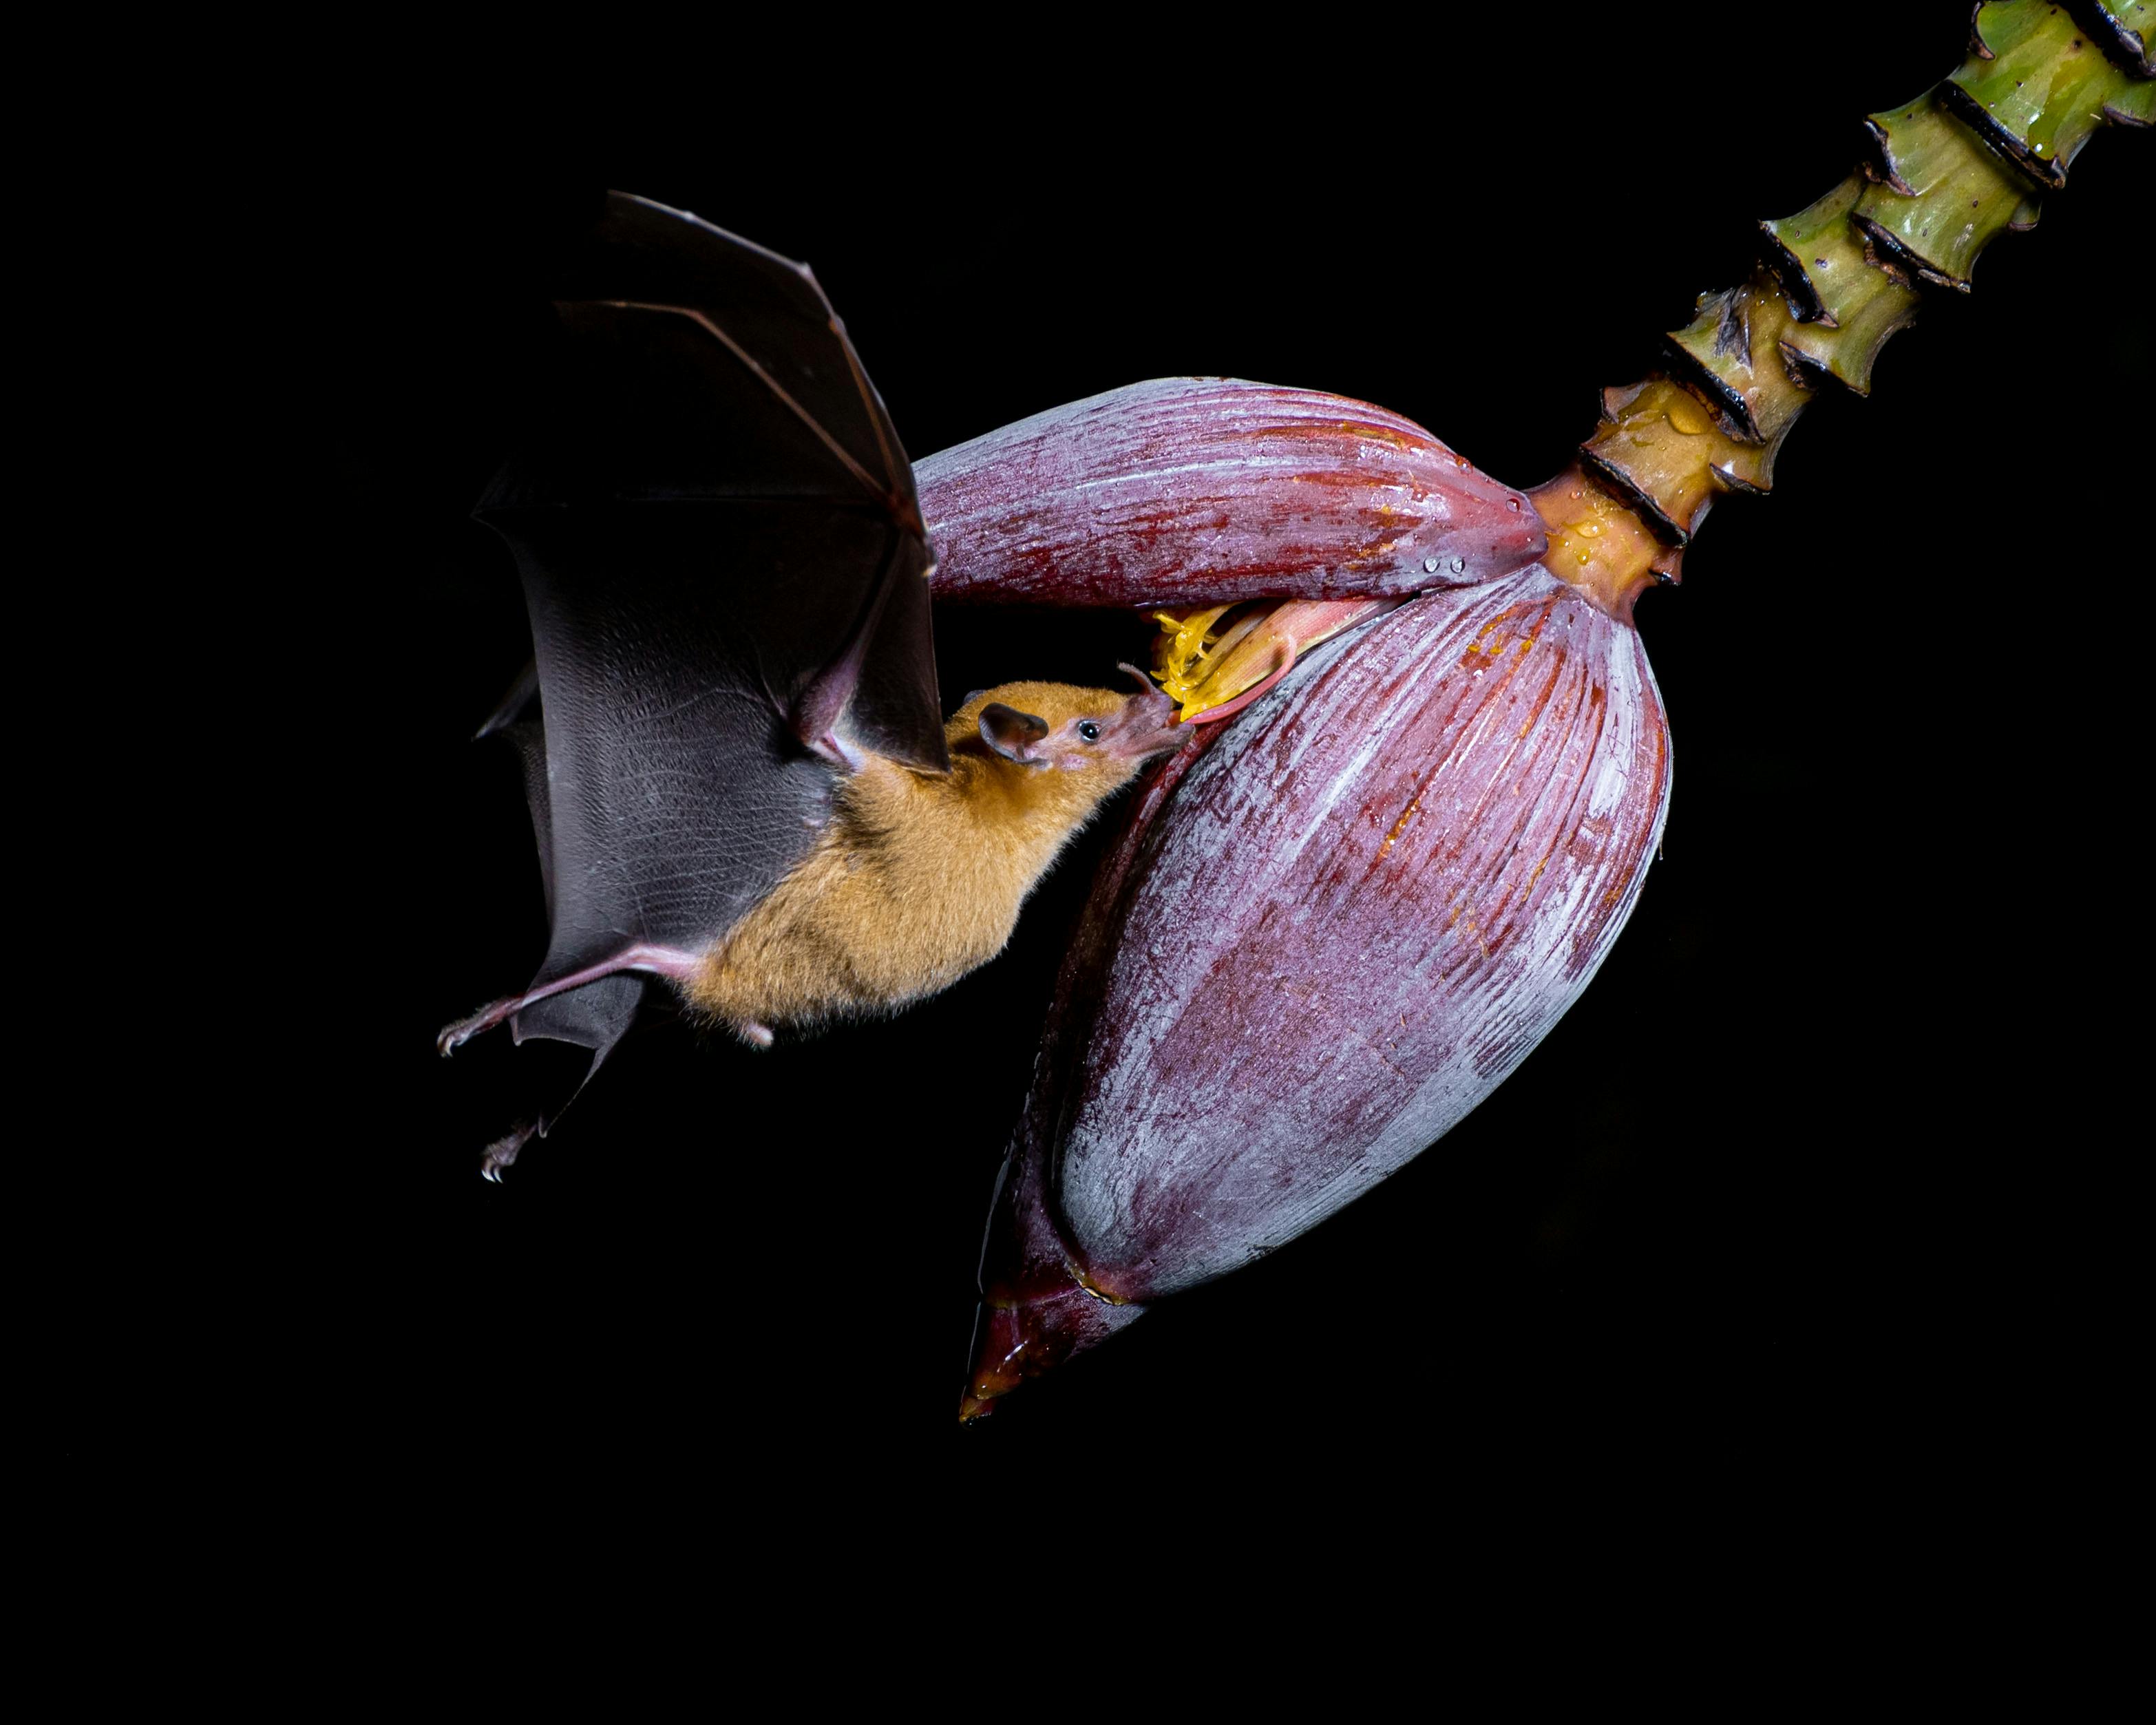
column 596, row 1017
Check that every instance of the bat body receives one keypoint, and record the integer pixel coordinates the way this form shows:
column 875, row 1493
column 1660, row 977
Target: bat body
column 916, row 878
column 919, row 877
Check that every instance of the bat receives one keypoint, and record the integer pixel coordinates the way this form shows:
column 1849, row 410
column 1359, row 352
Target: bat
column 717, row 533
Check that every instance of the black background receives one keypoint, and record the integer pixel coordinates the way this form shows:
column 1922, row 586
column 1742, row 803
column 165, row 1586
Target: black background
column 1805, row 1179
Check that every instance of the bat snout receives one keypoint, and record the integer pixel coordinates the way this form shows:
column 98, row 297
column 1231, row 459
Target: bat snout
column 1145, row 724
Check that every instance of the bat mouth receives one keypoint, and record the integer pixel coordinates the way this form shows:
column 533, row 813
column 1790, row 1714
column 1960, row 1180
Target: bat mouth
column 1146, row 725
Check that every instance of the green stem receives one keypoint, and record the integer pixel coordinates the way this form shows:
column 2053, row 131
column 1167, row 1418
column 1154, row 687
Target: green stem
column 1956, row 168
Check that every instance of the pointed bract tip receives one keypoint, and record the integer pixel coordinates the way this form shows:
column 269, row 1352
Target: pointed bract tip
column 1012, row 1343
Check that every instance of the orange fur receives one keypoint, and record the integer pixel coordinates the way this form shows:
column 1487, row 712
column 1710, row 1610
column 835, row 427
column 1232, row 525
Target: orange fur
column 919, row 877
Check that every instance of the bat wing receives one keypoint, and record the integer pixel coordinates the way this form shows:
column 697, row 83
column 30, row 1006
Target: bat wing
column 723, row 563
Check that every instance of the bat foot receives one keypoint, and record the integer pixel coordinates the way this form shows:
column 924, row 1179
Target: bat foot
column 755, row 1035
column 502, row 1151
column 454, row 1036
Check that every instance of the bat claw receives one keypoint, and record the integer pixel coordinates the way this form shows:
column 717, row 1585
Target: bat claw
column 502, row 1151
column 453, row 1036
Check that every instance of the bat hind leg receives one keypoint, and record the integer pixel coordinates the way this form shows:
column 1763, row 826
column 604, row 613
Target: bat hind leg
column 671, row 962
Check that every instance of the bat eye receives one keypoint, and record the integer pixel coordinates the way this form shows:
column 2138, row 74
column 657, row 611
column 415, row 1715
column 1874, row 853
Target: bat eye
column 1088, row 730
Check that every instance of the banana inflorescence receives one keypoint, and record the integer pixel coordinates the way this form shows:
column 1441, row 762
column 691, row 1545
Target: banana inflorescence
column 1329, row 929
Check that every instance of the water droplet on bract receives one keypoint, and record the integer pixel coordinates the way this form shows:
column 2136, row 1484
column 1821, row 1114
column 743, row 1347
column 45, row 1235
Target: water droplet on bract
column 1429, row 565
column 1458, row 564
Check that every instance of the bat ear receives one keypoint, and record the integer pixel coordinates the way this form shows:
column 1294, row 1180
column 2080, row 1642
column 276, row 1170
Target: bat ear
column 1011, row 733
